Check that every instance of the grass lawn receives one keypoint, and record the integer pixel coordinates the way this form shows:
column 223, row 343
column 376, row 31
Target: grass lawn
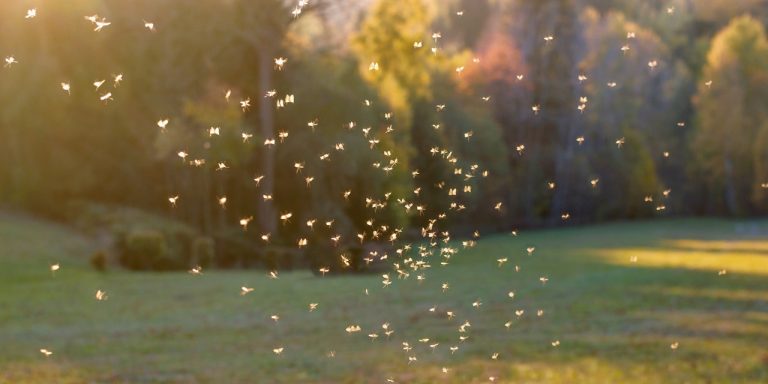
column 617, row 297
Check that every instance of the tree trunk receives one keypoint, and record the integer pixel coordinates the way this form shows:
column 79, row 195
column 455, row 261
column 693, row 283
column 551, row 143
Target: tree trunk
column 731, row 202
column 266, row 214
column 563, row 164
column 221, row 217
column 206, row 200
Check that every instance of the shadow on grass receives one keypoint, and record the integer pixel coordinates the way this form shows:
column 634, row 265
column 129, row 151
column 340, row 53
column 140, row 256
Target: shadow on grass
column 630, row 311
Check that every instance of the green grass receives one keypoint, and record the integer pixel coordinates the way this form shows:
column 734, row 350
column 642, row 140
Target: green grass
column 615, row 319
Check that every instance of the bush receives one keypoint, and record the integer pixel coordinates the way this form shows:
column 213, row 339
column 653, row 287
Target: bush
column 235, row 250
column 146, row 249
column 322, row 255
column 203, row 251
column 280, row 258
column 120, row 223
column 99, row 261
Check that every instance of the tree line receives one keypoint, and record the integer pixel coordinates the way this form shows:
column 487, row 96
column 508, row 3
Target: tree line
column 570, row 111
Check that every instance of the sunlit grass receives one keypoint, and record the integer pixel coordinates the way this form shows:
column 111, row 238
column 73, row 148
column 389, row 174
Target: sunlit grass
column 721, row 246
column 728, row 256
column 615, row 319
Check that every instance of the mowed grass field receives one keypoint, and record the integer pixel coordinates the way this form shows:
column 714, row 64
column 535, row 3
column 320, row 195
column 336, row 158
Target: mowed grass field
column 617, row 297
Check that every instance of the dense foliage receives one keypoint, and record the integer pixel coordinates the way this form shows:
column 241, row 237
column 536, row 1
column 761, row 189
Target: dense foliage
column 586, row 110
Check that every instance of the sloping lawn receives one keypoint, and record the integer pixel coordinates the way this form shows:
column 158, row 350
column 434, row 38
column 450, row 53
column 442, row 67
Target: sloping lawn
column 617, row 297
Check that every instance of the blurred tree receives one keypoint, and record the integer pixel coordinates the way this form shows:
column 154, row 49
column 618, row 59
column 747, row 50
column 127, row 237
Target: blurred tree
column 334, row 89
column 501, row 74
column 273, row 18
column 191, row 135
column 650, row 93
column 731, row 105
column 760, row 184
column 551, row 40
column 399, row 71
column 466, row 20
column 111, row 151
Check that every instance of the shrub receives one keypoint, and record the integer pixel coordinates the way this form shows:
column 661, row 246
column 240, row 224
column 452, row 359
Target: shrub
column 321, row 255
column 145, row 249
column 354, row 253
column 99, row 261
column 121, row 223
column 203, row 251
column 234, row 249
column 280, row 258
